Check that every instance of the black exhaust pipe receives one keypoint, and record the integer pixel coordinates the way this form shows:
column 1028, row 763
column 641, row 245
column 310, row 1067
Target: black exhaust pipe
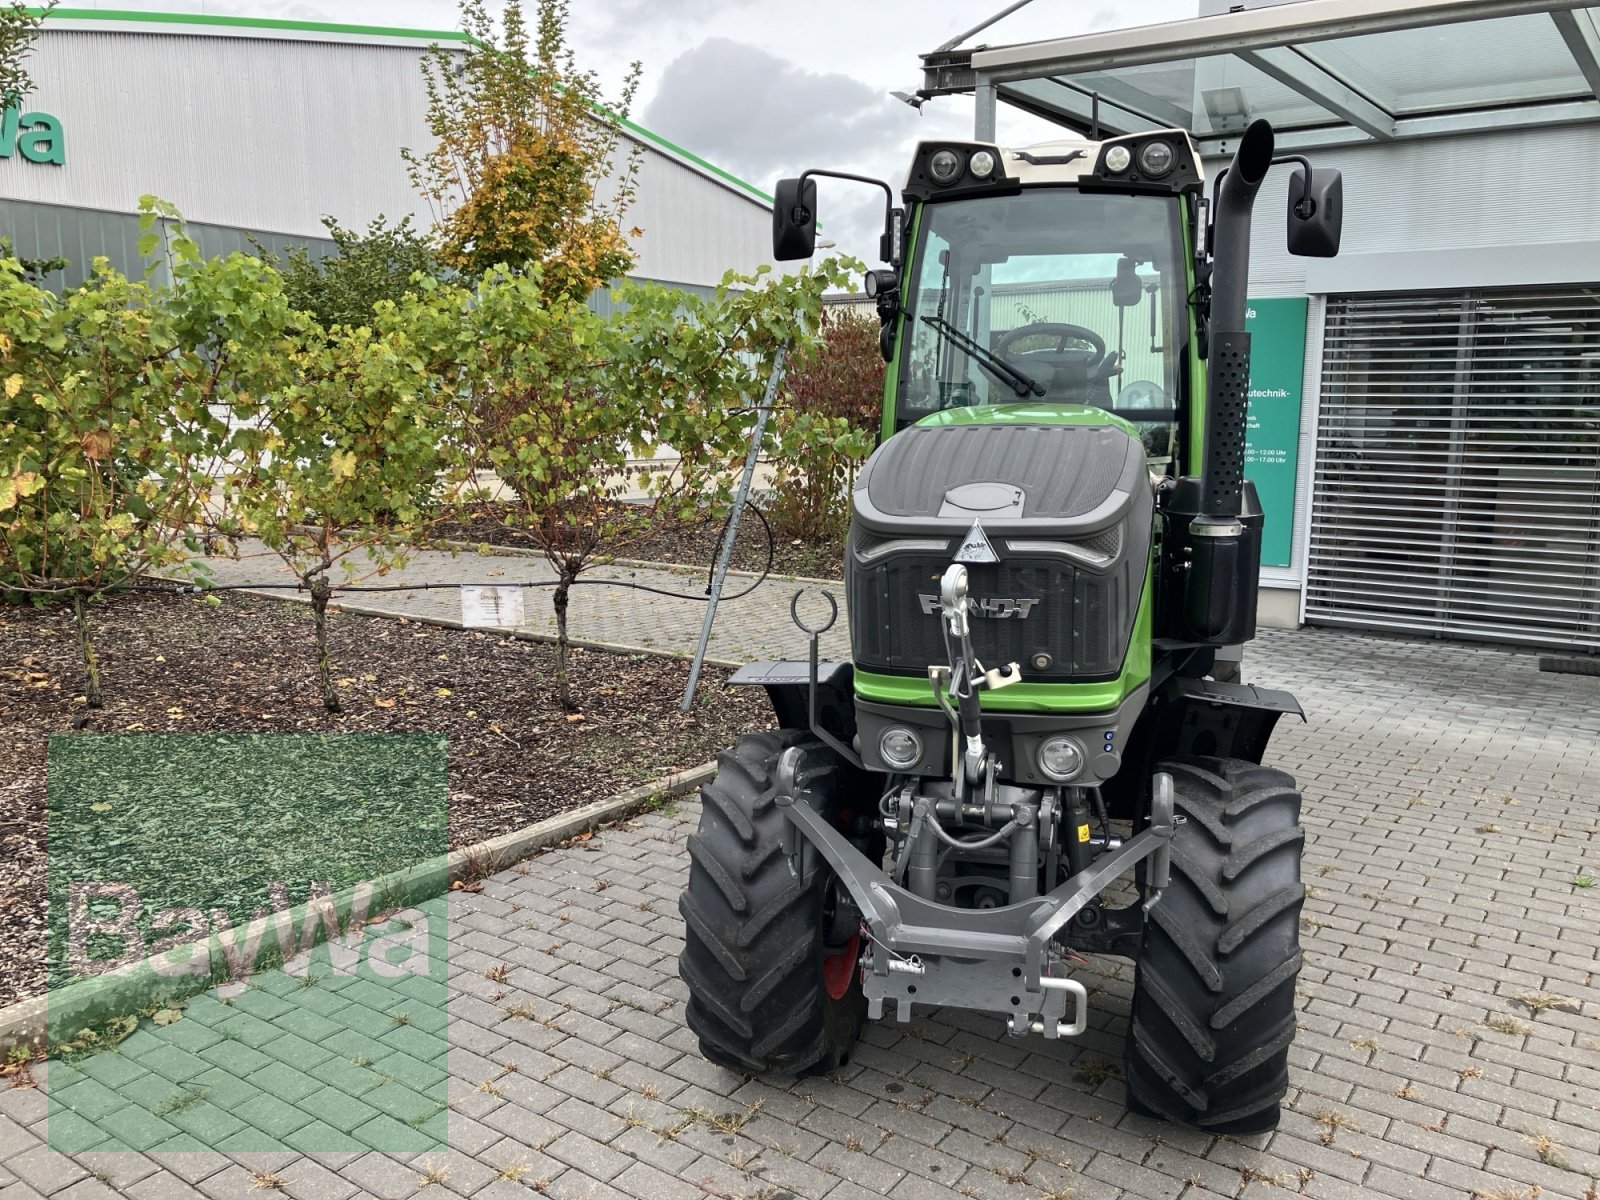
column 1228, row 362
column 1212, row 562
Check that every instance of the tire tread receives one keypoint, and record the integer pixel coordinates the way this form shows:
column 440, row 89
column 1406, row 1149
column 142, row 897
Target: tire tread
column 753, row 949
column 1213, row 1008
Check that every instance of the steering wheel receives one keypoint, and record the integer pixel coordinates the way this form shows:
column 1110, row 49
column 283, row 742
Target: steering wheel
column 1062, row 353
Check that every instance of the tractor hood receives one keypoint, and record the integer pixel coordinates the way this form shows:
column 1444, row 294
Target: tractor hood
column 1063, row 480
column 1051, row 516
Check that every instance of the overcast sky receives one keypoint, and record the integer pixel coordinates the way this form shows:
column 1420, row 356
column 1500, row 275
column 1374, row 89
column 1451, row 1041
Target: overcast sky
column 765, row 89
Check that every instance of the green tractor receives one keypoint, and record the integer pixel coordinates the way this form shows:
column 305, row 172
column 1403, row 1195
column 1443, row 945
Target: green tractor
column 1048, row 549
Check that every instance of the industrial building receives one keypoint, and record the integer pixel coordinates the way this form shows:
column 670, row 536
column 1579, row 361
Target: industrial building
column 257, row 128
column 1430, row 454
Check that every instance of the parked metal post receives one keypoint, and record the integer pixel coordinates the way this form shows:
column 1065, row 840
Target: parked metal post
column 739, row 500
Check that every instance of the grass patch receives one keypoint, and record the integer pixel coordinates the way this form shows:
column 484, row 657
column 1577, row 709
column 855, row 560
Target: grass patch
column 1538, row 1002
column 1501, row 1023
column 185, row 1100
column 1332, row 1122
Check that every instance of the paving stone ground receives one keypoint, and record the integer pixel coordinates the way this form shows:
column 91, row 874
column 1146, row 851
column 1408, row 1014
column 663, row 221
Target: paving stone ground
column 748, row 627
column 1448, row 1043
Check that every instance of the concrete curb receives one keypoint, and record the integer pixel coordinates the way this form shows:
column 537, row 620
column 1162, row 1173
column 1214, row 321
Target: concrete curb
column 137, row 986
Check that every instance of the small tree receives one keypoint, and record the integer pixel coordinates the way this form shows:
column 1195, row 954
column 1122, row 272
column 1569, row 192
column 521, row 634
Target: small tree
column 567, row 400
column 826, row 427
column 523, row 168
column 108, row 430
column 341, row 467
column 344, row 287
column 19, row 25
column 546, row 427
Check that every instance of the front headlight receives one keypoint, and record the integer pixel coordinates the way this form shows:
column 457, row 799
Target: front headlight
column 900, row 747
column 1060, row 759
column 945, row 166
column 1156, row 159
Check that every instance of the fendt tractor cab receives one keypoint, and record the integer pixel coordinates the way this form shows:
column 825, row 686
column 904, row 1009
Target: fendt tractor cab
column 1049, row 545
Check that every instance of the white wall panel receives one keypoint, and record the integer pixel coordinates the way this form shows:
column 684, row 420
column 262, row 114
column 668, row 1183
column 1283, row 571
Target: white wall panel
column 264, row 134
column 1457, row 196
column 270, row 134
column 695, row 229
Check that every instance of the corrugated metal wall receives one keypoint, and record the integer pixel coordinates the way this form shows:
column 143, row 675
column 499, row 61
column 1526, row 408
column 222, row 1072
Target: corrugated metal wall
column 249, row 132
column 79, row 235
column 271, row 134
column 695, row 230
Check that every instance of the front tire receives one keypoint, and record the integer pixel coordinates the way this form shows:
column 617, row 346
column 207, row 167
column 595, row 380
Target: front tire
column 767, row 991
column 1213, row 997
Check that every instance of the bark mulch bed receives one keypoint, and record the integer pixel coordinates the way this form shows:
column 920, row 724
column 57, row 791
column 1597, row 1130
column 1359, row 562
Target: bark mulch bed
column 668, row 541
column 178, row 665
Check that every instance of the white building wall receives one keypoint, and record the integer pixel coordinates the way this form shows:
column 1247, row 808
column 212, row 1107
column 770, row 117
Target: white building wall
column 1485, row 210
column 261, row 133
column 694, row 229
column 272, row 132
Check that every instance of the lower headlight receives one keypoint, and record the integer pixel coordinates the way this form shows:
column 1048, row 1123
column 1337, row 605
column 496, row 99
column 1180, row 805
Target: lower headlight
column 1060, row 759
column 900, row 747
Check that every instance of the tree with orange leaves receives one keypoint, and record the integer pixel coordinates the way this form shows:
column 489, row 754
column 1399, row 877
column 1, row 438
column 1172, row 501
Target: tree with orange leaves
column 524, row 167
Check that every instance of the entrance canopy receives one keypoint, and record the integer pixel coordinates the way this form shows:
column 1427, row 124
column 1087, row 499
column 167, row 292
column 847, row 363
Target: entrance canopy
column 1324, row 72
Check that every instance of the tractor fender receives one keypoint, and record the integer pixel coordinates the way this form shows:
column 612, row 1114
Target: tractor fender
column 1223, row 720
column 788, row 685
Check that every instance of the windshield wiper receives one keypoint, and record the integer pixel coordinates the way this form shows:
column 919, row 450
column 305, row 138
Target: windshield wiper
column 998, row 367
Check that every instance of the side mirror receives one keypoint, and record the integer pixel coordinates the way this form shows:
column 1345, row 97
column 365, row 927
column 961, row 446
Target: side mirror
column 1316, row 212
column 794, row 219
column 1127, row 289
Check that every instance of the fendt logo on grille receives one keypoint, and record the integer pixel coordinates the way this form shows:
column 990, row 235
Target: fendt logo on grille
column 998, row 607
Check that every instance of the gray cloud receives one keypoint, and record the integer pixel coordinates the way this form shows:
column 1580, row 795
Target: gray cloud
column 762, row 116
column 627, row 16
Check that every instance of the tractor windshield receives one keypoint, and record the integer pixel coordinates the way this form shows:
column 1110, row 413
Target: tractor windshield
column 1049, row 296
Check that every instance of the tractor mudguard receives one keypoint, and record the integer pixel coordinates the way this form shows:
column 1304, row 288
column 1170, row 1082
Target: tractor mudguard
column 788, row 688
column 1188, row 717
column 1221, row 720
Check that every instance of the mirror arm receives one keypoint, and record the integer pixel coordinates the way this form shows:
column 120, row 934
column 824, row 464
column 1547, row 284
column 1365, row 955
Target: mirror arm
column 886, row 246
column 1304, row 164
column 1216, row 187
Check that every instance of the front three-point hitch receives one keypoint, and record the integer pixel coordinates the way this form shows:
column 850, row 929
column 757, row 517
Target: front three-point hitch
column 1002, row 959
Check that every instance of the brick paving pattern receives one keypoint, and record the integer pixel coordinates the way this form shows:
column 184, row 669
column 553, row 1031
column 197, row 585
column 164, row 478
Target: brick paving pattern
column 1448, row 1042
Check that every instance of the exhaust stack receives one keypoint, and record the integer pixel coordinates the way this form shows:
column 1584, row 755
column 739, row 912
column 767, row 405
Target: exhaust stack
column 1213, row 561
column 1228, row 363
